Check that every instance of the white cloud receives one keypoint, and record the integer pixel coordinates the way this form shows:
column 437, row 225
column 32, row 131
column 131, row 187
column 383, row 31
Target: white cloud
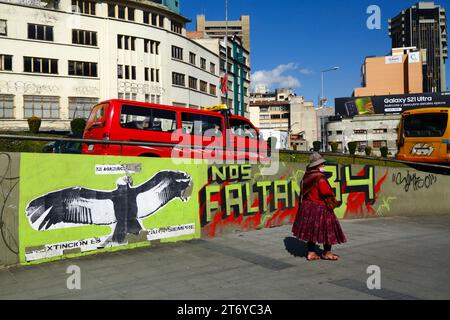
column 305, row 71
column 276, row 78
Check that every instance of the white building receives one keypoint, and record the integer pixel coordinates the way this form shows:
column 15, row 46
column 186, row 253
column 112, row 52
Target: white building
column 60, row 56
column 375, row 131
column 283, row 111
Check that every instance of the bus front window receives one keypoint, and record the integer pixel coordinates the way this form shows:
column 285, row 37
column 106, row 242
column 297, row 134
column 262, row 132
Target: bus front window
column 425, row 125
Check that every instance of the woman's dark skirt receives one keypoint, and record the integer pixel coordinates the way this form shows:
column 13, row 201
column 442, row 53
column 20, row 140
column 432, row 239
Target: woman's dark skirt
column 316, row 223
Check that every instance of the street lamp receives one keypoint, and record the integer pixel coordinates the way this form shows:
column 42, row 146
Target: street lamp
column 321, row 104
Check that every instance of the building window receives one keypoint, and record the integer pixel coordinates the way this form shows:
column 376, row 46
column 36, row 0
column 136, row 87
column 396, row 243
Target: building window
column 126, row 42
column 154, row 19
column 177, row 53
column 212, row 68
column 45, row 107
column 3, row 28
column 192, row 58
column 146, row 73
column 379, row 130
column 151, row 46
column 161, row 21
column 212, row 89
column 130, row 72
column 339, row 132
column 82, row 68
column 130, row 14
column 203, row 63
column 193, row 83
column 6, row 106
column 88, row 38
column 178, row 79
column 359, row 131
column 146, row 17
column 5, row 62
column 361, row 145
column 121, row 12
column 177, row 27
column 83, row 6
column 40, row 32
column 111, row 10
column 80, row 107
column 203, row 86
column 40, row 65
column 380, row 143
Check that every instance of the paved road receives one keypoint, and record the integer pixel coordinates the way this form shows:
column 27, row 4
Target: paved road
column 267, row 264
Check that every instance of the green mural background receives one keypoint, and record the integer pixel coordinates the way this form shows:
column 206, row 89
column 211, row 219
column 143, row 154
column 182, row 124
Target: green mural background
column 43, row 173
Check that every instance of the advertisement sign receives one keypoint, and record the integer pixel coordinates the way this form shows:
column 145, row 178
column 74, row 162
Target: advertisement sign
column 413, row 57
column 67, row 208
column 393, row 59
column 391, row 104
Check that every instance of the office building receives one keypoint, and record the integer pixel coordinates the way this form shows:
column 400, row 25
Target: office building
column 398, row 73
column 218, row 29
column 424, row 26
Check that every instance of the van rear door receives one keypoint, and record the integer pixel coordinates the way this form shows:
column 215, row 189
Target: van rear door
column 96, row 127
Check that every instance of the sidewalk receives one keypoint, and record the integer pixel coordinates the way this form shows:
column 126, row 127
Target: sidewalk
column 412, row 253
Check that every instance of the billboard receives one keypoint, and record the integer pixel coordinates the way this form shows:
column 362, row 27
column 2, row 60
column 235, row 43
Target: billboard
column 389, row 104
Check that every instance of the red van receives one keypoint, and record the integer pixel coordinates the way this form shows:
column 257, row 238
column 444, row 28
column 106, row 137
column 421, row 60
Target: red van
column 182, row 132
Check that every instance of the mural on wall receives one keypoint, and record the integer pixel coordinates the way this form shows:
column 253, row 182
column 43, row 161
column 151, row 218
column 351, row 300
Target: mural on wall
column 97, row 207
column 122, row 207
column 238, row 196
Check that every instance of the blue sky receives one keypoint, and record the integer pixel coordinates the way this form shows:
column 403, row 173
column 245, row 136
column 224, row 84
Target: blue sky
column 293, row 40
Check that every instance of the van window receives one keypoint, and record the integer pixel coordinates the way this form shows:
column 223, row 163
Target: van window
column 425, row 125
column 197, row 124
column 141, row 118
column 242, row 128
column 97, row 116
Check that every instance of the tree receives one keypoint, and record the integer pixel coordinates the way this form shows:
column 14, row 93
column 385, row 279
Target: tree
column 351, row 147
column 317, row 145
column 34, row 123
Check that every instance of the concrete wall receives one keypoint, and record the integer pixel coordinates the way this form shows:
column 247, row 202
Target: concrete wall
column 9, row 203
column 72, row 205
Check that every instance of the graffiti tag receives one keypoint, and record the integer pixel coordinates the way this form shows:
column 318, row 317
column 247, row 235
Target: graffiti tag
column 413, row 180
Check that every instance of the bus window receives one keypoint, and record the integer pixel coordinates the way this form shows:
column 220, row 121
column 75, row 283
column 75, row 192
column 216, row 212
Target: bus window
column 197, row 124
column 96, row 117
column 150, row 119
column 425, row 125
column 242, row 128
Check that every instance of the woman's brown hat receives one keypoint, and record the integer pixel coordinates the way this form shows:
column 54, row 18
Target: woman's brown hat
column 315, row 159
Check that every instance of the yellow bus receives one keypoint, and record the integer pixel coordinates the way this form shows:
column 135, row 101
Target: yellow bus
column 424, row 135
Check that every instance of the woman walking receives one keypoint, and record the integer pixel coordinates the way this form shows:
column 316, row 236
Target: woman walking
column 315, row 220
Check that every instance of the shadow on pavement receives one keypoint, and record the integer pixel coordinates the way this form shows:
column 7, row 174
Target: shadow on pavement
column 298, row 248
